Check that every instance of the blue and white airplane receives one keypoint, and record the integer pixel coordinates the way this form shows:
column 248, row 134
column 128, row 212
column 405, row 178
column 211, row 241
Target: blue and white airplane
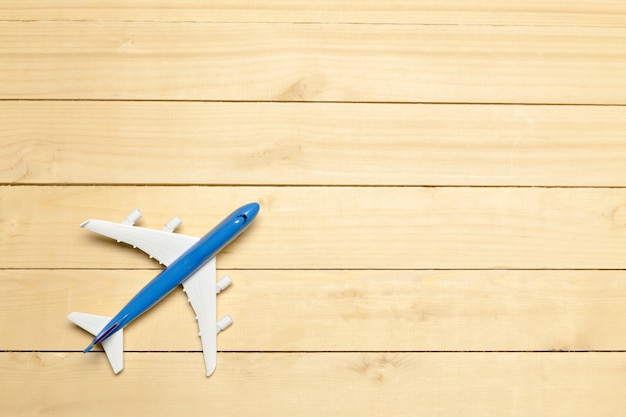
column 189, row 261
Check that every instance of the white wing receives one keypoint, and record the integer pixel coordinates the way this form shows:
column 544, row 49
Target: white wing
column 200, row 289
column 165, row 247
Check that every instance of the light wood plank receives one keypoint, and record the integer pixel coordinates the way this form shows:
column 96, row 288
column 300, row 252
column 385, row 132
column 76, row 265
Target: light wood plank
column 329, row 227
column 333, row 310
column 312, row 143
column 312, row 62
column 313, row 279
column 528, row 12
column 161, row 384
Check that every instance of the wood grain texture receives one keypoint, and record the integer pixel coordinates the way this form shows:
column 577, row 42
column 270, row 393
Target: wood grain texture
column 491, row 12
column 311, row 144
column 370, row 384
column 443, row 198
column 312, row 62
column 330, row 227
column 352, row 311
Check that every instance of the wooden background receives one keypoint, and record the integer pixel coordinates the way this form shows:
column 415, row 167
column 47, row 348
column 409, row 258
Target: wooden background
column 443, row 221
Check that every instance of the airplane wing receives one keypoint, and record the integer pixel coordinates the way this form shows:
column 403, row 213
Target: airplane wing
column 164, row 246
column 201, row 290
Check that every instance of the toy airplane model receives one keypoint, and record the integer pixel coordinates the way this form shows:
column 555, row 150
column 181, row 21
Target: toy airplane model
column 189, row 261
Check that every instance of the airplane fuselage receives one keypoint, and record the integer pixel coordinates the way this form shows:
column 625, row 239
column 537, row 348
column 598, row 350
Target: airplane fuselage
column 181, row 269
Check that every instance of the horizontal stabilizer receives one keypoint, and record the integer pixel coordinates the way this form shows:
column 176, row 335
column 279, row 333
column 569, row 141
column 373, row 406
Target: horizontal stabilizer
column 113, row 345
column 114, row 348
column 90, row 322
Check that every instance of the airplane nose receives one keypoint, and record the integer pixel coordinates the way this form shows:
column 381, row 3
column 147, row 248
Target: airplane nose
column 251, row 210
column 245, row 214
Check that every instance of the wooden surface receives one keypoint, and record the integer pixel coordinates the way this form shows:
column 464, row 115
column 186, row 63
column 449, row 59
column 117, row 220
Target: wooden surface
column 442, row 189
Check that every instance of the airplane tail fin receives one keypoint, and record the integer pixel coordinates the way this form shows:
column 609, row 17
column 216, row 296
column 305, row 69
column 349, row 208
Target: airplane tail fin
column 113, row 345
